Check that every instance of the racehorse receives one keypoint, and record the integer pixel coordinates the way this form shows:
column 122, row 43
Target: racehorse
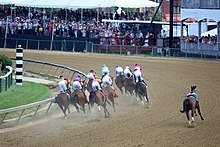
column 141, row 91
column 63, row 100
column 130, row 85
column 120, row 82
column 77, row 97
column 189, row 104
column 89, row 86
column 111, row 95
column 98, row 98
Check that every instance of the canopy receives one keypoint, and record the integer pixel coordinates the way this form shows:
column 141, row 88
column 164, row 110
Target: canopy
column 6, row 2
column 200, row 14
column 212, row 32
column 82, row 3
column 135, row 3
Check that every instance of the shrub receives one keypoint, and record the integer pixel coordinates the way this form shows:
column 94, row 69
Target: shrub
column 5, row 61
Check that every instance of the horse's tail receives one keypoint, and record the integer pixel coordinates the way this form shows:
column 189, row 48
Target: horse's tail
column 185, row 105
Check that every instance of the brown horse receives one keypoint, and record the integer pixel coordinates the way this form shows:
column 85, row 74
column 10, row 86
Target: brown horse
column 130, row 85
column 63, row 100
column 120, row 82
column 111, row 95
column 141, row 91
column 78, row 97
column 100, row 100
column 190, row 104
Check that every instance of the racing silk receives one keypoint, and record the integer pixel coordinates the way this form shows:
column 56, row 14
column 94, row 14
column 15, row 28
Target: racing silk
column 137, row 67
column 77, row 79
column 138, row 76
column 107, row 81
column 119, row 70
column 105, row 70
column 63, row 86
column 127, row 73
column 194, row 95
column 91, row 76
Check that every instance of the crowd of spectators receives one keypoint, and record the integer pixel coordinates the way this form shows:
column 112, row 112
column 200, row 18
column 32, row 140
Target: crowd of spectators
column 209, row 40
column 70, row 23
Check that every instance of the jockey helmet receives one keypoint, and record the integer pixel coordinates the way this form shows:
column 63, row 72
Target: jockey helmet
column 103, row 65
column 91, row 71
column 127, row 67
column 67, row 81
column 136, row 65
column 117, row 66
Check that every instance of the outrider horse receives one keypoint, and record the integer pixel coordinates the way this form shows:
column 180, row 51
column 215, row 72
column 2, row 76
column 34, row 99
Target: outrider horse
column 98, row 98
column 111, row 95
column 120, row 82
column 141, row 92
column 189, row 104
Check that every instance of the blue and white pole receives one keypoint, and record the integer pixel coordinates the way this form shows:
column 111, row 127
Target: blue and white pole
column 19, row 65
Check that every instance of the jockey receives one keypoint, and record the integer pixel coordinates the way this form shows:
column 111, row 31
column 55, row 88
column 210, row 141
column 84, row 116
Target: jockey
column 137, row 67
column 138, row 76
column 91, row 75
column 77, row 84
column 96, row 85
column 119, row 70
column 193, row 94
column 127, row 72
column 107, row 81
column 105, row 70
column 63, row 84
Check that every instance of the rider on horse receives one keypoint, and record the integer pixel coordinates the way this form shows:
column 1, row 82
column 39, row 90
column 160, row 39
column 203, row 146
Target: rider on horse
column 64, row 84
column 119, row 71
column 128, row 72
column 105, row 70
column 194, row 95
column 107, row 81
column 96, row 85
column 137, row 67
column 91, row 75
column 138, row 76
column 77, row 84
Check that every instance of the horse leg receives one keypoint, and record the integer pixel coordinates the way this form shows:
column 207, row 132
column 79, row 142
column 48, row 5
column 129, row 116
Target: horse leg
column 76, row 106
column 192, row 114
column 146, row 98
column 187, row 116
column 200, row 114
column 61, row 107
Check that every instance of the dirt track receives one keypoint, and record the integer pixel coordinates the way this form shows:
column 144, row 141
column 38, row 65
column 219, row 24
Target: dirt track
column 159, row 124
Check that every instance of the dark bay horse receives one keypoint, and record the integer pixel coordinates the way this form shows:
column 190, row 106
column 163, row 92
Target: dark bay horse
column 141, row 92
column 130, row 85
column 189, row 104
column 120, row 82
column 63, row 100
column 100, row 100
column 78, row 97
column 89, row 86
column 111, row 95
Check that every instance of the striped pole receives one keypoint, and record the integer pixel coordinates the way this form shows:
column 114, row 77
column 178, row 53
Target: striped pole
column 19, row 65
